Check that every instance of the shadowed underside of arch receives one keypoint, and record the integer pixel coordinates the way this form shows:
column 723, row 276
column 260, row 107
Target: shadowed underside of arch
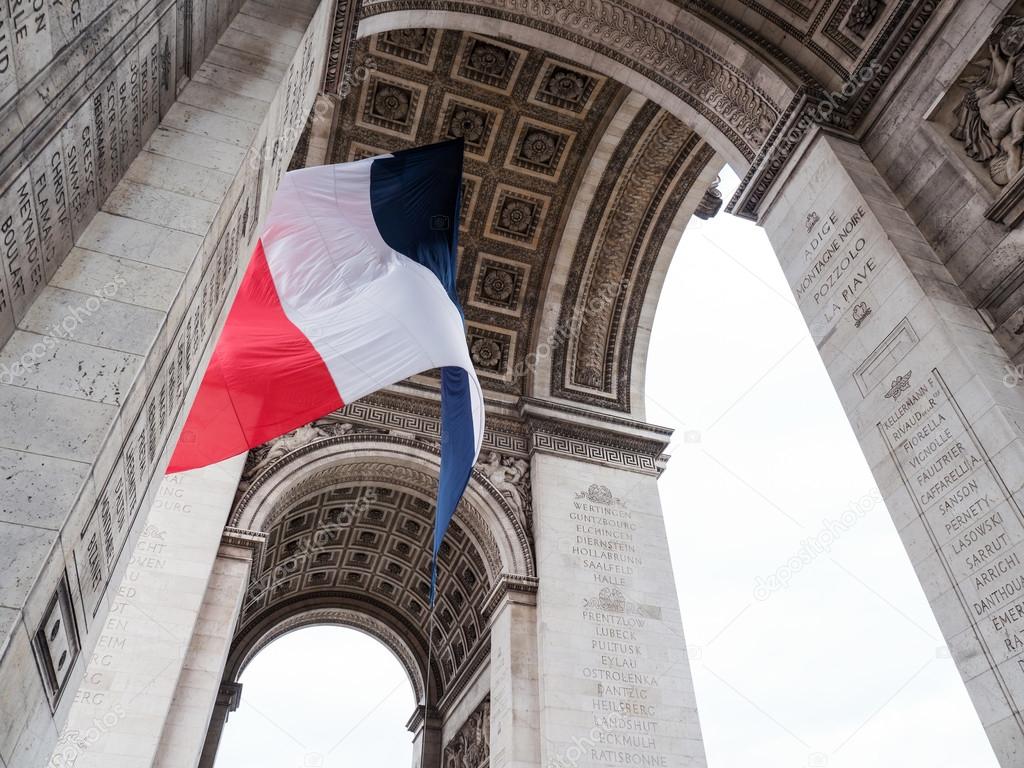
column 593, row 131
column 750, row 76
column 536, row 127
column 349, row 520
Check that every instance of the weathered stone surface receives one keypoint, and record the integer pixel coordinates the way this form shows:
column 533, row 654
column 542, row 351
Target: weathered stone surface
column 131, row 281
column 64, row 427
column 47, row 487
column 22, row 548
column 611, row 650
column 102, row 360
column 69, row 367
column 921, row 379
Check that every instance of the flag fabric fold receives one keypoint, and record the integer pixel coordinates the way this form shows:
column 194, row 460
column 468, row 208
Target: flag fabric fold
column 351, row 288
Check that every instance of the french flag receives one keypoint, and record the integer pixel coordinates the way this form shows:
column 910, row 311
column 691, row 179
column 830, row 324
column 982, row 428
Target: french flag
column 351, row 288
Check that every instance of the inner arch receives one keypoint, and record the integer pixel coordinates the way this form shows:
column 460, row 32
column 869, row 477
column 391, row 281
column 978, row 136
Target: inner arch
column 321, row 695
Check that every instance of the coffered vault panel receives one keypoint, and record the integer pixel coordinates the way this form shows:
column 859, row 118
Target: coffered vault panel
column 368, row 547
column 531, row 122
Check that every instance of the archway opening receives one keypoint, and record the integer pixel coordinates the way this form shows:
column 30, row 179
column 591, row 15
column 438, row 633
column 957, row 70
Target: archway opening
column 778, row 532
column 321, row 697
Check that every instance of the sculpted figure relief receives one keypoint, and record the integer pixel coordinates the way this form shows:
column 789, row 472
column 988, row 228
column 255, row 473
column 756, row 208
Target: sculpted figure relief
column 470, row 747
column 265, row 455
column 990, row 117
column 509, row 475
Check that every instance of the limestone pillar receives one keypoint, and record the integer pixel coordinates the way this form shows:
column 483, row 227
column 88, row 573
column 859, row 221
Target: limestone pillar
column 131, row 681
column 426, row 739
column 325, row 111
column 229, row 695
column 515, row 727
column 200, row 692
column 925, row 386
column 614, row 678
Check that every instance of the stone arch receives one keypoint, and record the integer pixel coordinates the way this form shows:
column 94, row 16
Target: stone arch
column 348, row 523
column 602, row 206
column 407, row 463
column 606, row 274
column 308, row 614
column 720, row 87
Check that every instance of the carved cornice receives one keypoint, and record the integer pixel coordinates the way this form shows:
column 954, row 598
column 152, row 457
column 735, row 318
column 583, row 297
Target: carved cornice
column 420, row 416
column 575, row 433
column 811, row 107
column 508, row 585
column 339, row 54
column 241, row 537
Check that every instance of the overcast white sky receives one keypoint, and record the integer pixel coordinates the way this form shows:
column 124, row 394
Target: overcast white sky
column 843, row 668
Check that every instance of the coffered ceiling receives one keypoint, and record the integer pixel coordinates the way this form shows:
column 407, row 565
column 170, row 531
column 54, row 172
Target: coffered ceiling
column 368, row 547
column 826, row 39
column 531, row 122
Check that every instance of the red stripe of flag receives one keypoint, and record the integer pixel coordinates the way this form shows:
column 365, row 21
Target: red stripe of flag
column 265, row 378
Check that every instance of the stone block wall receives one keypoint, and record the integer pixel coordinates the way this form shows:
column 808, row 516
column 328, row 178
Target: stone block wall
column 145, row 190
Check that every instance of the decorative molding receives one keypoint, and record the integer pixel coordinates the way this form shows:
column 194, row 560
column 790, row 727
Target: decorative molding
column 863, row 15
column 651, row 171
column 339, row 53
column 525, row 152
column 521, row 587
column 660, row 51
column 579, row 434
column 402, row 414
column 510, row 476
column 349, row 470
column 241, row 537
column 371, row 543
column 811, row 107
column 342, row 617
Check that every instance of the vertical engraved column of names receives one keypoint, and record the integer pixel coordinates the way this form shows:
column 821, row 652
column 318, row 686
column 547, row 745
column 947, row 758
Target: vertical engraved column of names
column 625, row 709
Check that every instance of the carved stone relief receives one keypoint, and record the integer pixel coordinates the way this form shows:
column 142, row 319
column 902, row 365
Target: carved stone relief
column 470, row 747
column 510, row 475
column 990, row 114
column 863, row 15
